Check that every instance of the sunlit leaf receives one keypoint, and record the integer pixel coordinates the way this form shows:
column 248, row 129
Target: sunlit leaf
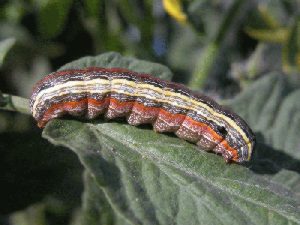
column 279, row 35
column 174, row 9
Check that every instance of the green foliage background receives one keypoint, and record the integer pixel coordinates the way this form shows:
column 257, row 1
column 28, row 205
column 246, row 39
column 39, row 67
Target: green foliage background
column 242, row 52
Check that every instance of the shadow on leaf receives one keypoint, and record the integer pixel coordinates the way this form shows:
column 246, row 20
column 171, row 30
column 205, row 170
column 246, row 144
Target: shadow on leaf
column 267, row 160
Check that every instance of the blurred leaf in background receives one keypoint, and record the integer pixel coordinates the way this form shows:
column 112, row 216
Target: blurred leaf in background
column 52, row 16
column 279, row 23
column 217, row 35
column 206, row 48
column 5, row 46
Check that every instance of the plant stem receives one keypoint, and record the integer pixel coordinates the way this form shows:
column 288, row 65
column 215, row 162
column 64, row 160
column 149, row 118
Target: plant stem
column 211, row 51
column 15, row 103
column 204, row 65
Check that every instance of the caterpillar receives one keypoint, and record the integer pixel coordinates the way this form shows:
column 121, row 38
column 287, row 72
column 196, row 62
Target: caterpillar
column 143, row 99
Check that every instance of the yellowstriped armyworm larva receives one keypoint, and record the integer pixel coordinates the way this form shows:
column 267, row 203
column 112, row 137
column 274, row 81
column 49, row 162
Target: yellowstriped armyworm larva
column 141, row 98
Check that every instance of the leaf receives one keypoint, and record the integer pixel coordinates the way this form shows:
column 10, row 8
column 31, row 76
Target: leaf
column 273, row 112
column 36, row 180
column 267, row 16
column 50, row 209
column 185, row 43
column 5, row 46
column 52, row 16
column 93, row 8
column 290, row 52
column 286, row 35
column 278, row 35
column 136, row 176
column 264, row 59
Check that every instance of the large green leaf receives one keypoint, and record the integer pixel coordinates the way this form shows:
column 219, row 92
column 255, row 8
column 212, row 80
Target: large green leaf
column 271, row 106
column 136, row 176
